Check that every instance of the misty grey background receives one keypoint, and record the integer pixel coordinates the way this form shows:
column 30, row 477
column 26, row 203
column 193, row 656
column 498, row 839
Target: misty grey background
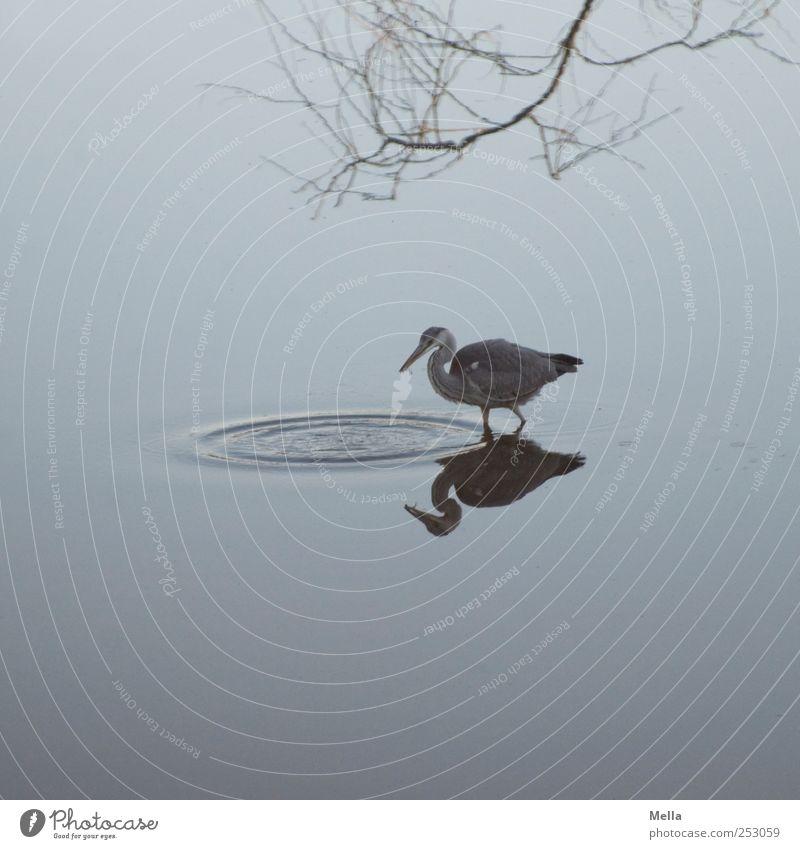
column 293, row 655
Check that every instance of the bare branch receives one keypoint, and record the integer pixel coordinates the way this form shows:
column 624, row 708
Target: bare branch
column 396, row 92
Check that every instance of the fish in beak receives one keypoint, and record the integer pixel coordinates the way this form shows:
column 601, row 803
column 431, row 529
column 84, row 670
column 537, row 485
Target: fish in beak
column 418, row 352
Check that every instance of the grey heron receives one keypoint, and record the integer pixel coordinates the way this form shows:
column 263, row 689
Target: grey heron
column 489, row 374
column 493, row 475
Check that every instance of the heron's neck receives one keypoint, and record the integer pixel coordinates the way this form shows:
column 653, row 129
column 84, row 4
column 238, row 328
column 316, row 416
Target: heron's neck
column 447, row 385
column 440, row 488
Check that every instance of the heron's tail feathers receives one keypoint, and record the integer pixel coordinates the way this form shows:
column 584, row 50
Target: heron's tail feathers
column 565, row 363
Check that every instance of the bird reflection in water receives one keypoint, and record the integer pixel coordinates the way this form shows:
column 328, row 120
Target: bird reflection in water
column 494, row 474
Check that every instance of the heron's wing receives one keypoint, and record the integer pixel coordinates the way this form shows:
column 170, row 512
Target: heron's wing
column 503, row 371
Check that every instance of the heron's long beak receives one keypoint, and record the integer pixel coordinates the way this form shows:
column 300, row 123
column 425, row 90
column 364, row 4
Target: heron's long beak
column 418, row 352
column 439, row 526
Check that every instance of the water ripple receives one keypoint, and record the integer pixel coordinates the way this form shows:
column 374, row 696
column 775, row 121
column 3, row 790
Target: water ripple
column 341, row 438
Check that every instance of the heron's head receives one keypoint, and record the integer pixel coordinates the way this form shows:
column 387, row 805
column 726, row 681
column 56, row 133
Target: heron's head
column 439, row 526
column 433, row 337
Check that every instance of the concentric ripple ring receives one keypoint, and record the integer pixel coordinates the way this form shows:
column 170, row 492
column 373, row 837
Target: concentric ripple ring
column 366, row 438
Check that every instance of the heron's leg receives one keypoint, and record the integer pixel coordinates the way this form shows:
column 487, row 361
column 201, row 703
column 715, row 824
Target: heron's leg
column 521, row 418
column 487, row 431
